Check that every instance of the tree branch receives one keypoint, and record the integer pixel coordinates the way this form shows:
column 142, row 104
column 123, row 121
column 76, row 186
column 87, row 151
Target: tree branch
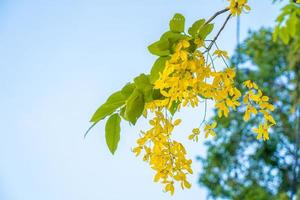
column 218, row 34
column 216, row 14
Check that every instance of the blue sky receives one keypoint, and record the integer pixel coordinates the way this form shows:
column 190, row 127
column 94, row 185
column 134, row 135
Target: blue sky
column 59, row 60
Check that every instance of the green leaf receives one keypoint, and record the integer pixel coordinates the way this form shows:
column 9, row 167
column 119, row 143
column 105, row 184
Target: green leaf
column 160, row 48
column 284, row 35
column 177, row 23
column 115, row 101
column 291, row 25
column 174, row 107
column 158, row 67
column 112, row 132
column 122, row 113
column 156, row 95
column 275, row 34
column 172, row 37
column 142, row 83
column 148, row 93
column 134, row 106
column 196, row 27
column 128, row 89
column 281, row 17
column 205, row 30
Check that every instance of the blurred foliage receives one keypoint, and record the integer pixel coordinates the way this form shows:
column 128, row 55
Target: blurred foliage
column 288, row 28
column 288, row 24
column 237, row 166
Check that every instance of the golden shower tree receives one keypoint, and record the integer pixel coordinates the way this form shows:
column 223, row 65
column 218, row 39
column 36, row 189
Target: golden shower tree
column 184, row 75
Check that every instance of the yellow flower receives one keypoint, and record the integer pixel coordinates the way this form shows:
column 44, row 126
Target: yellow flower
column 249, row 84
column 177, row 122
column 185, row 184
column 222, row 109
column 250, row 109
column 183, row 44
column 194, row 135
column 232, row 103
column 170, row 188
column 262, row 131
column 252, row 99
column 237, row 6
column 137, row 150
column 208, row 129
column 255, row 97
column 268, row 117
column 230, row 72
column 266, row 105
column 199, row 42
column 220, row 53
column 265, row 98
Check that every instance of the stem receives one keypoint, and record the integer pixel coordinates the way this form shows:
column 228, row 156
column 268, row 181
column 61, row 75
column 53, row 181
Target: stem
column 218, row 34
column 85, row 134
column 215, row 42
column 238, row 43
column 216, row 14
column 205, row 111
column 212, row 61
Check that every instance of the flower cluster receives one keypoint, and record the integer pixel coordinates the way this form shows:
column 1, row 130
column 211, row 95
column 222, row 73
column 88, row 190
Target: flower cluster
column 165, row 155
column 209, row 129
column 183, row 75
column 237, row 6
column 256, row 101
column 195, row 135
column 186, row 78
column 225, row 93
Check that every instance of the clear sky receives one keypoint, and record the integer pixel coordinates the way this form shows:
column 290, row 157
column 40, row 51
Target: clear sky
column 59, row 60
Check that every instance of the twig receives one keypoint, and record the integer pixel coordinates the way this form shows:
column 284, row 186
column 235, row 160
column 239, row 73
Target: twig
column 212, row 61
column 215, row 42
column 204, row 117
column 221, row 55
column 85, row 134
column 216, row 14
column 216, row 37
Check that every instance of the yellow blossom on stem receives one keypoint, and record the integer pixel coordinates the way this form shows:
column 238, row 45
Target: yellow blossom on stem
column 249, row 84
column 165, row 155
column 199, row 42
column 236, row 6
column 262, row 131
column 194, row 135
column 220, row 53
column 208, row 129
column 182, row 83
column 255, row 100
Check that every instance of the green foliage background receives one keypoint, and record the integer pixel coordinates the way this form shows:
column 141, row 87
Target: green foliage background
column 238, row 166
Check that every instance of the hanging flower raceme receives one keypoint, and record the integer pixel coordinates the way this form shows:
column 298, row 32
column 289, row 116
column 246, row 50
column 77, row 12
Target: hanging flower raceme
column 184, row 75
column 166, row 156
column 182, row 82
column 258, row 103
